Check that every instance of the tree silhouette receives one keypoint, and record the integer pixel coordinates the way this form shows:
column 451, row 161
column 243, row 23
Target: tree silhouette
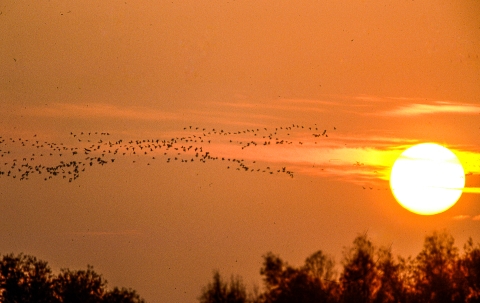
column 359, row 277
column 24, row 279
column 309, row 283
column 80, row 286
column 122, row 296
column 437, row 274
column 220, row 291
column 389, row 274
column 320, row 266
column 471, row 268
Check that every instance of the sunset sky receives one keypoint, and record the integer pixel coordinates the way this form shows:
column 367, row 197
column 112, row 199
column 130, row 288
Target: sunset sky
column 314, row 99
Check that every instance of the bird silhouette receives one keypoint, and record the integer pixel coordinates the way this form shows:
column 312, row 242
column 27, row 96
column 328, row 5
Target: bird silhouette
column 98, row 148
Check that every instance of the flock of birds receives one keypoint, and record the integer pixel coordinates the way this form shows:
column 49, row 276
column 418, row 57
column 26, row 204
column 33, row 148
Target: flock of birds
column 25, row 158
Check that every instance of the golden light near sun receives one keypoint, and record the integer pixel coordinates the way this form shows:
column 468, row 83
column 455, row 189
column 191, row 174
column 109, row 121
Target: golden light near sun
column 427, row 179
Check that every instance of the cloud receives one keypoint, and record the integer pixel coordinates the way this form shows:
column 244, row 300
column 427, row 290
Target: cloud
column 461, row 217
column 108, row 233
column 97, row 110
column 465, row 217
column 370, row 98
column 436, row 107
column 471, row 190
column 282, row 105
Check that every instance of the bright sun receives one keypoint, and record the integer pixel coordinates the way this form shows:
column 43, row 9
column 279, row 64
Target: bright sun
column 427, row 179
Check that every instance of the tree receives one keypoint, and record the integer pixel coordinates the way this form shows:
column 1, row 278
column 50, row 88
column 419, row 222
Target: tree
column 359, row 278
column 220, row 291
column 437, row 272
column 309, row 283
column 25, row 279
column 122, row 295
column 320, row 266
column 80, row 286
column 321, row 269
column 471, row 270
column 273, row 271
column 391, row 285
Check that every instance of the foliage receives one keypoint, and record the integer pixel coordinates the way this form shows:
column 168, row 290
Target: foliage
column 439, row 273
column 122, row 295
column 80, row 286
column 219, row 291
column 471, row 270
column 391, row 286
column 24, row 279
column 309, row 283
column 359, row 278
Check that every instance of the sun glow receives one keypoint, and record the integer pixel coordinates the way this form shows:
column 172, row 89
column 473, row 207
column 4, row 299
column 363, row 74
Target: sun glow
column 427, row 179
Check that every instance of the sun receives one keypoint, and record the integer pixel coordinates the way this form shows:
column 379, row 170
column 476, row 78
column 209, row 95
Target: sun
column 427, row 179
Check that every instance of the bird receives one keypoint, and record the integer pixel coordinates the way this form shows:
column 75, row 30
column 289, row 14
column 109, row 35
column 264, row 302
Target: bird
column 184, row 148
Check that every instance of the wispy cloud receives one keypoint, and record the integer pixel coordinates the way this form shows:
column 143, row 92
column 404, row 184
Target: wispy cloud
column 332, row 157
column 323, row 159
column 281, row 105
column 98, row 110
column 461, row 217
column 370, row 98
column 466, row 217
column 234, row 118
column 316, row 102
column 108, row 233
column 471, row 190
column 356, row 155
column 435, row 107
column 407, row 106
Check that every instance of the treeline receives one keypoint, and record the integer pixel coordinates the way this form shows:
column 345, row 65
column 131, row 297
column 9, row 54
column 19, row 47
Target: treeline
column 24, row 279
column 440, row 273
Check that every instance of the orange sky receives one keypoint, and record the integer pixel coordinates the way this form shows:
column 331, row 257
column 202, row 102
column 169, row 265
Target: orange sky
column 377, row 76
